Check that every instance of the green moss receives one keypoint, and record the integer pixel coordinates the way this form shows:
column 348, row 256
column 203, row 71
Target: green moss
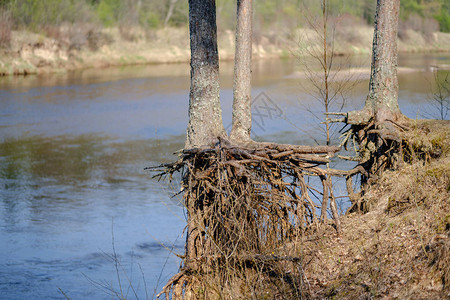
column 438, row 141
column 391, row 226
column 435, row 172
column 443, row 224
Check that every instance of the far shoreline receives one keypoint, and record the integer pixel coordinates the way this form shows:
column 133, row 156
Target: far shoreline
column 35, row 54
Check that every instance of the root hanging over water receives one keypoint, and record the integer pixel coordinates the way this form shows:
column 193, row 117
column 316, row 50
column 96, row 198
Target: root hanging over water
column 245, row 205
column 387, row 145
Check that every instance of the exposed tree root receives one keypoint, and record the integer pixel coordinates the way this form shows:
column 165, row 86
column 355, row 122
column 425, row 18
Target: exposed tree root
column 400, row 248
column 245, row 203
column 380, row 145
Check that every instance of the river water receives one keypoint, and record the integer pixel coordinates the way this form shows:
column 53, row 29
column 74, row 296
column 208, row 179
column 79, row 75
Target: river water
column 79, row 215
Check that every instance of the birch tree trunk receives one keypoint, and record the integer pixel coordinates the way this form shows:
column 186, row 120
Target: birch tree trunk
column 205, row 114
column 242, row 111
column 382, row 101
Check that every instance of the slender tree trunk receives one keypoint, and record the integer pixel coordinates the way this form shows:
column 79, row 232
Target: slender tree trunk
column 170, row 11
column 382, row 101
column 325, row 64
column 242, row 111
column 205, row 114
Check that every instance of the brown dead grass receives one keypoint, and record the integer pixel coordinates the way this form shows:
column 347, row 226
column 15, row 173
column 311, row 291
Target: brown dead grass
column 400, row 248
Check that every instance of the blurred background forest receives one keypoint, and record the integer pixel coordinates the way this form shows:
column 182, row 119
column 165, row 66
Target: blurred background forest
column 271, row 15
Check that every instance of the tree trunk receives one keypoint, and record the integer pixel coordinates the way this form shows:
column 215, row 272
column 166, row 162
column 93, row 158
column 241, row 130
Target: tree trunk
column 326, row 71
column 242, row 111
column 205, row 114
column 205, row 125
column 382, row 101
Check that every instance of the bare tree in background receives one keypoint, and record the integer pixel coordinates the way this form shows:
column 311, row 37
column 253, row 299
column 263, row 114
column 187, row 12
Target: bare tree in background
column 440, row 97
column 172, row 4
column 326, row 68
column 331, row 83
column 242, row 111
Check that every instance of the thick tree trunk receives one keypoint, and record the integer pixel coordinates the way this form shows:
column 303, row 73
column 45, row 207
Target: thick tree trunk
column 205, row 125
column 383, row 87
column 205, row 114
column 382, row 101
column 242, row 112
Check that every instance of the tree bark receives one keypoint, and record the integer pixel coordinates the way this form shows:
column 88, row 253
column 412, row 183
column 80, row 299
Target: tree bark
column 205, row 114
column 382, row 101
column 242, row 111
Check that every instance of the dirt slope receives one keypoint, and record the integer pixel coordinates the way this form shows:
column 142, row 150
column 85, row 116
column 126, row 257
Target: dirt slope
column 400, row 249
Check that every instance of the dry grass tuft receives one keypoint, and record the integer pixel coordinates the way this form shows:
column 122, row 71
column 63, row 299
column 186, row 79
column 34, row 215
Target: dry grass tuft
column 427, row 139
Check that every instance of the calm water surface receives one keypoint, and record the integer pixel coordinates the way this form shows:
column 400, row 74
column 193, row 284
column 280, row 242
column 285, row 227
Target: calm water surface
column 74, row 196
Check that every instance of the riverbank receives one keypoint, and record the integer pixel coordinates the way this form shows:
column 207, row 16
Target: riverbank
column 70, row 49
column 400, row 248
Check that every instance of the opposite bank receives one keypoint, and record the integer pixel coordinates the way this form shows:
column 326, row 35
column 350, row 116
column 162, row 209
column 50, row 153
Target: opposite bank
column 70, row 48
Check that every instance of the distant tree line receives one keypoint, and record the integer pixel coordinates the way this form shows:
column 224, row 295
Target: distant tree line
column 35, row 14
